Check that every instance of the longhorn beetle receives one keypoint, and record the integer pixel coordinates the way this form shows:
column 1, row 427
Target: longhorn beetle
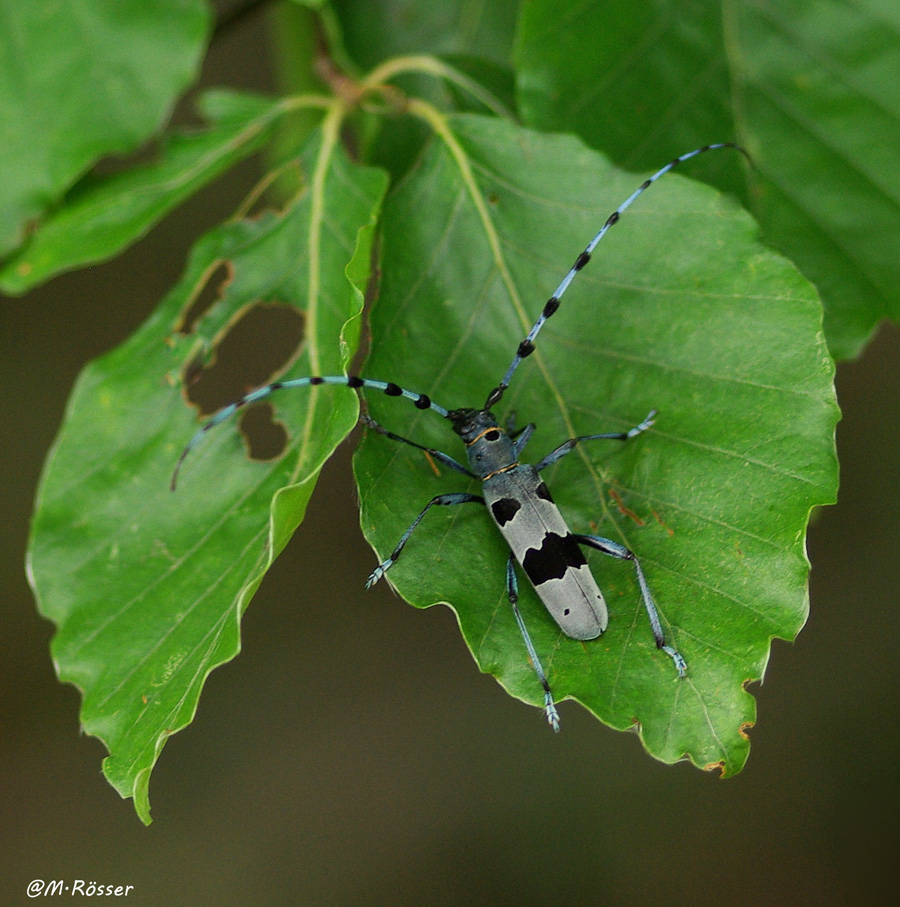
column 513, row 492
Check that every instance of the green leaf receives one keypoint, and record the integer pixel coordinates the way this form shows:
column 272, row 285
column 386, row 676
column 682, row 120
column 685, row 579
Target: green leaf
column 809, row 88
column 637, row 79
column 102, row 216
column 497, row 80
column 80, row 80
column 147, row 587
column 375, row 31
column 682, row 310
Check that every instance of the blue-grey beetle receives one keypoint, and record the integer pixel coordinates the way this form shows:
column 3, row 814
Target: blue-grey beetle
column 515, row 495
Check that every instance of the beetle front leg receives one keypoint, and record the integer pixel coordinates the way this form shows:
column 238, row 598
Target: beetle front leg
column 567, row 446
column 438, row 455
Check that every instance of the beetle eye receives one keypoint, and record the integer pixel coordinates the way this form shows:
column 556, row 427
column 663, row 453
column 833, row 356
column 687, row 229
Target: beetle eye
column 493, row 435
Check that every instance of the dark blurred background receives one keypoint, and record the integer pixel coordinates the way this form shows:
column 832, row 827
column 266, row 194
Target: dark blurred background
column 353, row 754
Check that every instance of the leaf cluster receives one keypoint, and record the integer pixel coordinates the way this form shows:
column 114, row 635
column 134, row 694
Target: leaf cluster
column 450, row 165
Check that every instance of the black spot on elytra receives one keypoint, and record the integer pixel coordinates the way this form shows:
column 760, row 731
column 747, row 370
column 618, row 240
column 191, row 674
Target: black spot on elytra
column 505, row 509
column 556, row 554
column 544, row 492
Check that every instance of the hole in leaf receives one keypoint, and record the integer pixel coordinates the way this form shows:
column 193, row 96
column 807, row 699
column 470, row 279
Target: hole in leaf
column 192, row 371
column 266, row 438
column 213, row 289
column 260, row 343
